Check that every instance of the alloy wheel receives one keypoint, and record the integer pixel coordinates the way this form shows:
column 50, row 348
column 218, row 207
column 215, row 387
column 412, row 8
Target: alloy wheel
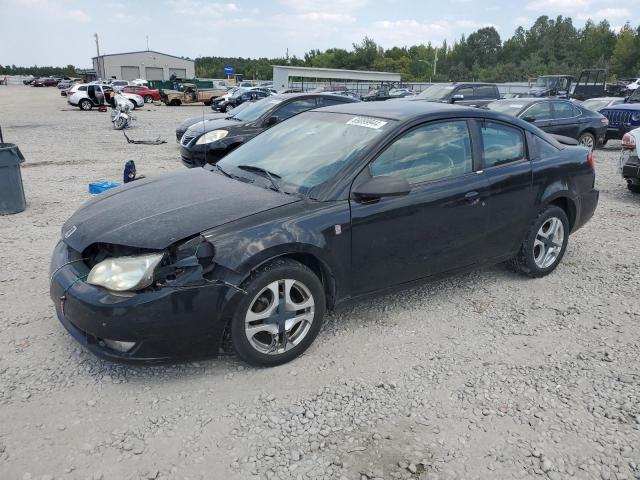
column 548, row 243
column 279, row 316
column 587, row 141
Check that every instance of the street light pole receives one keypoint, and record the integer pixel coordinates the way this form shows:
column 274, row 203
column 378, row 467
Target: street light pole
column 95, row 35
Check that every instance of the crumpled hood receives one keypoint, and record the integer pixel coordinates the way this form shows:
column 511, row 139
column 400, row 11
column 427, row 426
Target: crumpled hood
column 156, row 212
column 199, row 128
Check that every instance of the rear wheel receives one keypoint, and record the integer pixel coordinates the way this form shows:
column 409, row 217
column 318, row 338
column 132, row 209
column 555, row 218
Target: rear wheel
column 281, row 314
column 545, row 243
column 174, row 102
column 148, row 99
column 633, row 188
column 86, row 104
column 587, row 140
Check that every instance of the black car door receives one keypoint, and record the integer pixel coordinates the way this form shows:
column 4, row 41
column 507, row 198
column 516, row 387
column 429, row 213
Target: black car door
column 566, row 119
column 507, row 168
column 440, row 225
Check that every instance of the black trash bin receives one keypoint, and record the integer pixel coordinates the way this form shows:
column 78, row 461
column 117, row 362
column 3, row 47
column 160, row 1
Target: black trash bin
column 11, row 191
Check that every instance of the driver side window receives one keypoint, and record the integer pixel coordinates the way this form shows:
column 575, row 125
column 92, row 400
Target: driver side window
column 430, row 152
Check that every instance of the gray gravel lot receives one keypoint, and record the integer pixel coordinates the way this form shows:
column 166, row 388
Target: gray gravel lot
column 482, row 375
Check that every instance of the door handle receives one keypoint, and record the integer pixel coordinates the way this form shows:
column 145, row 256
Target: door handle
column 472, row 198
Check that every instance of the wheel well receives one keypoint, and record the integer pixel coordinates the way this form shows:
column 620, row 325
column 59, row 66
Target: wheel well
column 321, row 271
column 569, row 208
column 589, row 130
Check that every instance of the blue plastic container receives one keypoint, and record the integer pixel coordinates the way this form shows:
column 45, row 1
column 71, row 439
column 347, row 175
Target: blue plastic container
column 101, row 186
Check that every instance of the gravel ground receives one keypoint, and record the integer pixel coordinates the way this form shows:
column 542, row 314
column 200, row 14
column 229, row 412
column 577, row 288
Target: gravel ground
column 482, row 375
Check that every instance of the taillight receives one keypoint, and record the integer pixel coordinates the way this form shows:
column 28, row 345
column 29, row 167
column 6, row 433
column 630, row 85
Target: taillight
column 591, row 161
column 628, row 141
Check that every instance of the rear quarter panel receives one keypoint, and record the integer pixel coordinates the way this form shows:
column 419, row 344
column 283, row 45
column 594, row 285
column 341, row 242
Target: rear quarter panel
column 565, row 174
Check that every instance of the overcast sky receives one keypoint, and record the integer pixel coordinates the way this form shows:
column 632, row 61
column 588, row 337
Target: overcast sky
column 60, row 32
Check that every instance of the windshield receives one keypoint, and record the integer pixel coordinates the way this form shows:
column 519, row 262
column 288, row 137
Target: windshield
column 307, row 150
column 510, row 108
column 547, row 82
column 595, row 104
column 255, row 110
column 436, row 92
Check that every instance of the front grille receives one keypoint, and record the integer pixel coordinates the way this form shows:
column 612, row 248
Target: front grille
column 186, row 139
column 618, row 117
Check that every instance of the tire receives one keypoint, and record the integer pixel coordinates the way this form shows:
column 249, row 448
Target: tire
column 530, row 260
column 148, row 99
column 256, row 347
column 85, row 104
column 133, row 104
column 633, row 188
column 174, row 103
column 587, row 140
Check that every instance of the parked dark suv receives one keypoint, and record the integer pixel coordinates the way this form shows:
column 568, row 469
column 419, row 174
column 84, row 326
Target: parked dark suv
column 469, row 94
column 209, row 141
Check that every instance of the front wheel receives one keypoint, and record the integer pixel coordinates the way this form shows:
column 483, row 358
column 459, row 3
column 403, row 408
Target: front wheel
column 148, row 99
column 281, row 314
column 120, row 123
column 545, row 243
column 587, row 140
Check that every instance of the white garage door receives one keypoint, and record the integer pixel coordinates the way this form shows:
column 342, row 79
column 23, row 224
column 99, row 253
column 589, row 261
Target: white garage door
column 129, row 73
column 180, row 73
column 154, row 73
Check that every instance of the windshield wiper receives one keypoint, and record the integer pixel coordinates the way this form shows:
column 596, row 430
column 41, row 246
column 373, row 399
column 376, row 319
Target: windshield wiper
column 221, row 170
column 265, row 173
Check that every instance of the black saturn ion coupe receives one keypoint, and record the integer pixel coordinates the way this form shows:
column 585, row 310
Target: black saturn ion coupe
column 330, row 205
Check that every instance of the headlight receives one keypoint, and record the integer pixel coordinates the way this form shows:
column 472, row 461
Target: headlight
column 635, row 117
column 212, row 136
column 125, row 273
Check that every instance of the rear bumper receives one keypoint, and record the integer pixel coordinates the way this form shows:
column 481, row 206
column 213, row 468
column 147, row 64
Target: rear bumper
column 630, row 168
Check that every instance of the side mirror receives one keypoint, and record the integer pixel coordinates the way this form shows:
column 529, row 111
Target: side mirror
column 271, row 121
column 457, row 97
column 382, row 186
column 529, row 119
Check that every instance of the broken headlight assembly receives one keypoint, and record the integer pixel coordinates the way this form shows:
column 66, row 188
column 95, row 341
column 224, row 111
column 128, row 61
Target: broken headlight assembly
column 122, row 274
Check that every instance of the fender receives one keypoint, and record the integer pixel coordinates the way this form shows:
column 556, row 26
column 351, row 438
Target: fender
column 319, row 229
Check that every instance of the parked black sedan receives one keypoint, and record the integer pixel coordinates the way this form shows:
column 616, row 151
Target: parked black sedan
column 560, row 117
column 209, row 141
column 184, row 126
column 330, row 205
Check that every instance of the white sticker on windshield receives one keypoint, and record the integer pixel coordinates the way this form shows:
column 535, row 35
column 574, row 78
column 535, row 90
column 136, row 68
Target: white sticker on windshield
column 367, row 122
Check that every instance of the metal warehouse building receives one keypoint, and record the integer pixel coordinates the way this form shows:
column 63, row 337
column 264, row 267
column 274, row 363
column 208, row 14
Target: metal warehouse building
column 146, row 64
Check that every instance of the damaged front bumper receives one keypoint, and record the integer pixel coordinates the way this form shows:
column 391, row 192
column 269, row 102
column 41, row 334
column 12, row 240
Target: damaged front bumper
column 155, row 325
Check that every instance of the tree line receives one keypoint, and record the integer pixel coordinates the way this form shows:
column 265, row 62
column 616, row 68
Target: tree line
column 549, row 46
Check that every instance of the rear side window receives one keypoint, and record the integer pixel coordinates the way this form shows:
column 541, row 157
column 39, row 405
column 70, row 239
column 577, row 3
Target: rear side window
column 501, row 144
column 83, row 88
column 326, row 102
column 430, row 152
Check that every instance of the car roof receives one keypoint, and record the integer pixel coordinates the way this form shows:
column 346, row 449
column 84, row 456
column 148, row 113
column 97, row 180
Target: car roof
column 289, row 96
column 401, row 110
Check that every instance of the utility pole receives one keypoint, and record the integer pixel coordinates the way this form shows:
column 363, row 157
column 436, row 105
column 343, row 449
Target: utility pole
column 95, row 35
column 147, row 43
column 287, row 55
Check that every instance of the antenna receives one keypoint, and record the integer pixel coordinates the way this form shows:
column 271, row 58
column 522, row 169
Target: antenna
column 147, row 43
